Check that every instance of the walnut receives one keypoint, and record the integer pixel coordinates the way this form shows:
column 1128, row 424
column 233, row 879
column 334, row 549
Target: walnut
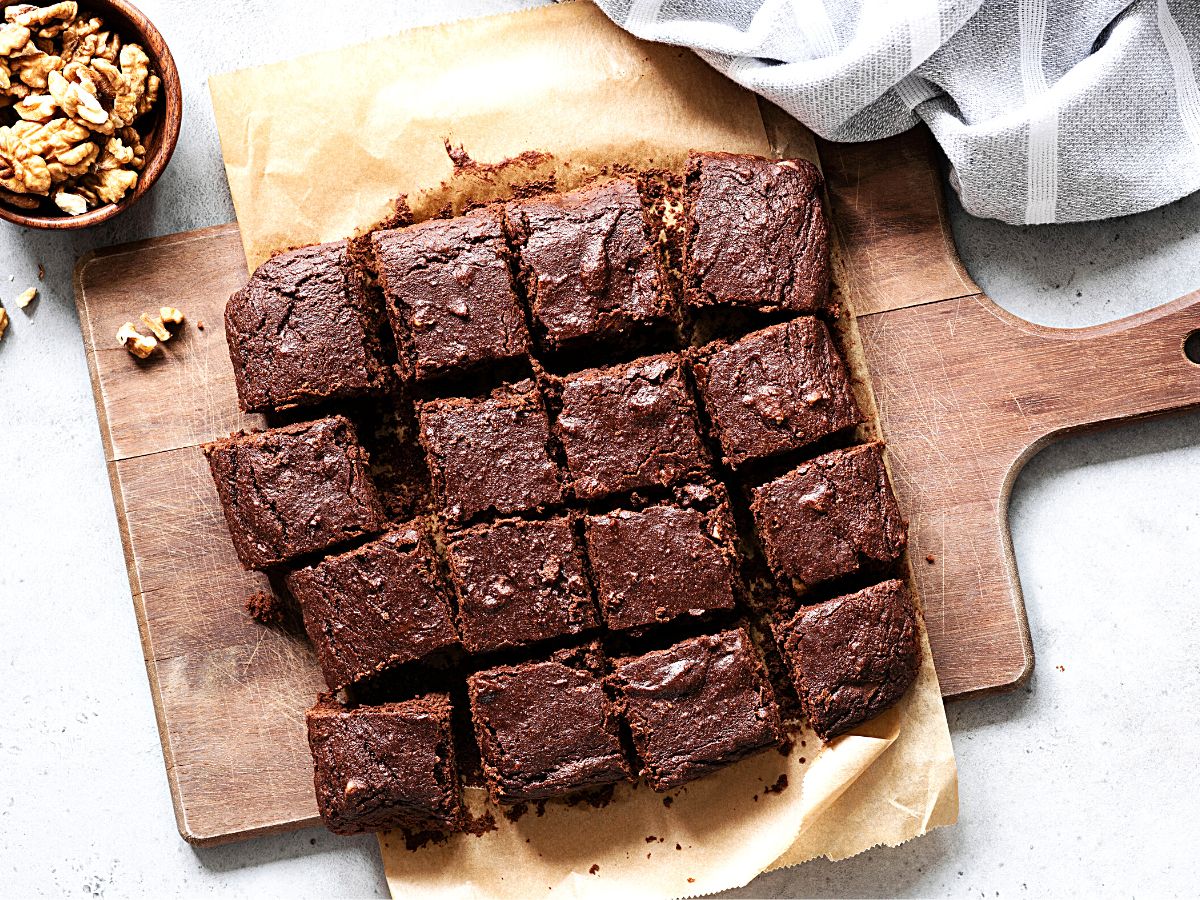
column 135, row 66
column 34, row 68
column 26, row 297
column 133, row 140
column 20, row 201
column 140, row 345
column 75, row 91
column 67, row 148
column 3, row 322
column 36, row 108
column 71, row 204
column 170, row 315
column 106, row 186
column 44, row 16
column 21, row 170
column 12, row 38
column 156, row 326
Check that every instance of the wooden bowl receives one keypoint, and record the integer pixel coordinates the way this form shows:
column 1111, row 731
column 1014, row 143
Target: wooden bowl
column 159, row 129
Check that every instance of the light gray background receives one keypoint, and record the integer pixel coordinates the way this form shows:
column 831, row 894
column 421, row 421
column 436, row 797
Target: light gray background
column 1082, row 781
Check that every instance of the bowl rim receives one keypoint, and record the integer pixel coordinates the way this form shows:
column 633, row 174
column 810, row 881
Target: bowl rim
column 171, row 113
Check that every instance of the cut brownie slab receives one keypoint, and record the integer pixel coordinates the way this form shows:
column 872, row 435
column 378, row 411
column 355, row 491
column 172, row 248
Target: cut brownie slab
column 775, row 390
column 754, row 234
column 831, row 517
column 375, row 607
column 588, row 269
column 546, row 729
column 294, row 490
column 491, row 454
column 303, row 330
column 388, row 766
column 697, row 706
column 449, row 293
column 852, row 657
column 629, row 426
column 666, row 561
column 518, row 582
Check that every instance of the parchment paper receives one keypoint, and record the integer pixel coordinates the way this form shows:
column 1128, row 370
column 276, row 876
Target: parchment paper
column 312, row 158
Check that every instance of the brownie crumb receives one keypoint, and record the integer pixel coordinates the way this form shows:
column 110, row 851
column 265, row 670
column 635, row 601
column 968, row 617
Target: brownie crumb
column 786, row 748
column 265, row 608
column 479, row 825
column 516, row 811
column 594, row 869
column 416, row 840
column 778, row 787
column 803, row 760
column 929, row 559
column 668, row 800
column 678, row 847
column 650, row 839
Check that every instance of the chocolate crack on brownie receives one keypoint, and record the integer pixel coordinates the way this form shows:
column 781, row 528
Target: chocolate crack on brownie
column 303, row 330
column 666, row 561
column 546, row 729
column 830, row 517
column 377, row 606
column 696, row 707
column 754, row 234
column 491, row 454
column 852, row 657
column 449, row 294
column 588, row 270
column 387, row 766
column 775, row 390
column 294, row 490
column 519, row 582
column 628, row 427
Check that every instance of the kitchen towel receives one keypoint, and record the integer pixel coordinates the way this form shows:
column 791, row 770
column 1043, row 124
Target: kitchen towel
column 1048, row 110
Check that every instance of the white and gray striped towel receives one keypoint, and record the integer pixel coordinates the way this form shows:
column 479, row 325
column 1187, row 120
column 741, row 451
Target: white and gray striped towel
column 1048, row 110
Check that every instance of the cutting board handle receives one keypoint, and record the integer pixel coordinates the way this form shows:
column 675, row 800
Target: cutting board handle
column 1108, row 374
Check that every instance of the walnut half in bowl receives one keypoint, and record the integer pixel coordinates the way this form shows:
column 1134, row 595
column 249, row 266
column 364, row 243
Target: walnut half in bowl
column 90, row 108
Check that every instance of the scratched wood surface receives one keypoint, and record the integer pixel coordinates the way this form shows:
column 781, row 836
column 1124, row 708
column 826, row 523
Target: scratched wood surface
column 966, row 394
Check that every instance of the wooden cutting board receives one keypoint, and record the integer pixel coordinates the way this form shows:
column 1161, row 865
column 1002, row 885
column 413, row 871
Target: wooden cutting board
column 967, row 393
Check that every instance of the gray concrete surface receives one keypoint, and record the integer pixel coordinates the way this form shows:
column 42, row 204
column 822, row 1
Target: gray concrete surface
column 1080, row 783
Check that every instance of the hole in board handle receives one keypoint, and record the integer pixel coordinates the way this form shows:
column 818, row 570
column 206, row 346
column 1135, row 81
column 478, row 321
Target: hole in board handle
column 1191, row 347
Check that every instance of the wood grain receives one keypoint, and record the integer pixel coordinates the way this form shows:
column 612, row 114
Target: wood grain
column 966, row 394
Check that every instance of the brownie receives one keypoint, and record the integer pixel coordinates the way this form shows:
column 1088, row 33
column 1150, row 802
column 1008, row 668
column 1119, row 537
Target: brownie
column 754, row 234
column 696, row 706
column 375, row 607
column 491, row 454
column 666, row 561
column 830, row 517
column 852, row 657
column 588, row 269
column 449, row 293
column 388, row 766
column 629, row 426
column 518, row 582
column 303, row 330
column 775, row 390
column 294, row 490
column 546, row 729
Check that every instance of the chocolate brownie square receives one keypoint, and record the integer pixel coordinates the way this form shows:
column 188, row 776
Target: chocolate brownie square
column 830, row 517
column 775, row 390
column 491, row 454
column 546, row 729
column 852, row 657
column 697, row 706
column 303, row 330
column 671, row 560
column 629, row 426
column 588, row 269
column 294, row 490
column 518, row 582
column 449, row 293
column 375, row 607
column 388, row 766
column 754, row 234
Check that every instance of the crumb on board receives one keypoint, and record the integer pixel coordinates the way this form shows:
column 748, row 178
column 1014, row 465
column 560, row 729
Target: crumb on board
column 1061, row 668
column 41, row 272
column 778, row 787
column 264, row 608
column 930, row 559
